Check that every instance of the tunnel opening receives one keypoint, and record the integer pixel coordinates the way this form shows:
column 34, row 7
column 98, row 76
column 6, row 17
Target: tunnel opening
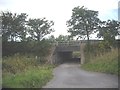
column 69, row 57
column 76, row 56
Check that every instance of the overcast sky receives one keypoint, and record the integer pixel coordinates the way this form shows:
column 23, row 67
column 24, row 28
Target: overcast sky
column 60, row 10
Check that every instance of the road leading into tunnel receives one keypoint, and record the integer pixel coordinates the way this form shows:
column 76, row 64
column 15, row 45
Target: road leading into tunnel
column 70, row 75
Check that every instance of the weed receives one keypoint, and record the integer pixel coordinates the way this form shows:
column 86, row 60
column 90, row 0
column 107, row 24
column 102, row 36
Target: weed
column 25, row 72
column 107, row 63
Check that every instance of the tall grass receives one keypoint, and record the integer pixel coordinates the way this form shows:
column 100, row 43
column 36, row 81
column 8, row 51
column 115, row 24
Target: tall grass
column 25, row 72
column 18, row 63
column 32, row 78
column 108, row 63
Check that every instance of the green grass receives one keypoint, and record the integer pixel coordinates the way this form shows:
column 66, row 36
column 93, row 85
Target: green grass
column 76, row 54
column 107, row 63
column 32, row 78
column 23, row 72
column 18, row 63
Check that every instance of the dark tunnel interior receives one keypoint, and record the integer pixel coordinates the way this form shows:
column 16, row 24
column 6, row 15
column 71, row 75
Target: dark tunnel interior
column 67, row 57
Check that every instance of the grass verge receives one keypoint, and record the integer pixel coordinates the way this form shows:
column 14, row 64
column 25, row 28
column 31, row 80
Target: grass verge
column 33, row 78
column 107, row 63
column 23, row 72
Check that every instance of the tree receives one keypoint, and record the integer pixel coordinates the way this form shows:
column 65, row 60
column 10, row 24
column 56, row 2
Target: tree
column 64, row 38
column 13, row 26
column 108, row 30
column 38, row 28
column 22, row 33
column 51, row 38
column 83, row 22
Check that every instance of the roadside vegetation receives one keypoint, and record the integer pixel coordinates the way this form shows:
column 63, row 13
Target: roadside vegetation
column 76, row 54
column 25, row 51
column 23, row 72
column 106, row 63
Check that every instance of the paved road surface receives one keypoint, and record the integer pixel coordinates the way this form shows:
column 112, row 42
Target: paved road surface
column 70, row 75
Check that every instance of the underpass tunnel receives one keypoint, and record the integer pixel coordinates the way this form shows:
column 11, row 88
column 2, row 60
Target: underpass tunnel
column 76, row 56
column 68, row 57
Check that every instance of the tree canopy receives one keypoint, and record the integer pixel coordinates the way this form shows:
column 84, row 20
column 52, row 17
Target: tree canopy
column 38, row 28
column 83, row 22
column 64, row 38
column 13, row 26
column 108, row 30
column 23, row 35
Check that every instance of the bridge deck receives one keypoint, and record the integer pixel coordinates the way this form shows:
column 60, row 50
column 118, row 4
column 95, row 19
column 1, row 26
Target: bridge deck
column 74, row 43
column 68, row 48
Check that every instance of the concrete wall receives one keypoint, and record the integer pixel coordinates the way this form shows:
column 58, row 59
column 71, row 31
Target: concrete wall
column 82, row 45
column 68, row 48
column 62, row 54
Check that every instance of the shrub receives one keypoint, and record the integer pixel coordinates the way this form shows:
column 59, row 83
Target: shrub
column 76, row 54
column 96, row 49
column 36, row 48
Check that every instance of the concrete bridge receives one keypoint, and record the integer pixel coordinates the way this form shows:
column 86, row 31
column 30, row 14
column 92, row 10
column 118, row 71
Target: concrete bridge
column 62, row 51
column 68, row 46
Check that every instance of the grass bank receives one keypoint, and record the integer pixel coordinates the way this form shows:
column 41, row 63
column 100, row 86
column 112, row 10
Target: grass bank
column 23, row 72
column 107, row 63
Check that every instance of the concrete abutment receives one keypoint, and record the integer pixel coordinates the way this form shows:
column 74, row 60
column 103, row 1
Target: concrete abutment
column 61, row 54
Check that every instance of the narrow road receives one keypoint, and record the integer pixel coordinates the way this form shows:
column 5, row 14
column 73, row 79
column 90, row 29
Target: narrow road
column 70, row 75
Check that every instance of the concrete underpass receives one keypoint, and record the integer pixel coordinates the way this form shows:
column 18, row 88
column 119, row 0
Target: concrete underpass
column 67, row 57
column 64, row 53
